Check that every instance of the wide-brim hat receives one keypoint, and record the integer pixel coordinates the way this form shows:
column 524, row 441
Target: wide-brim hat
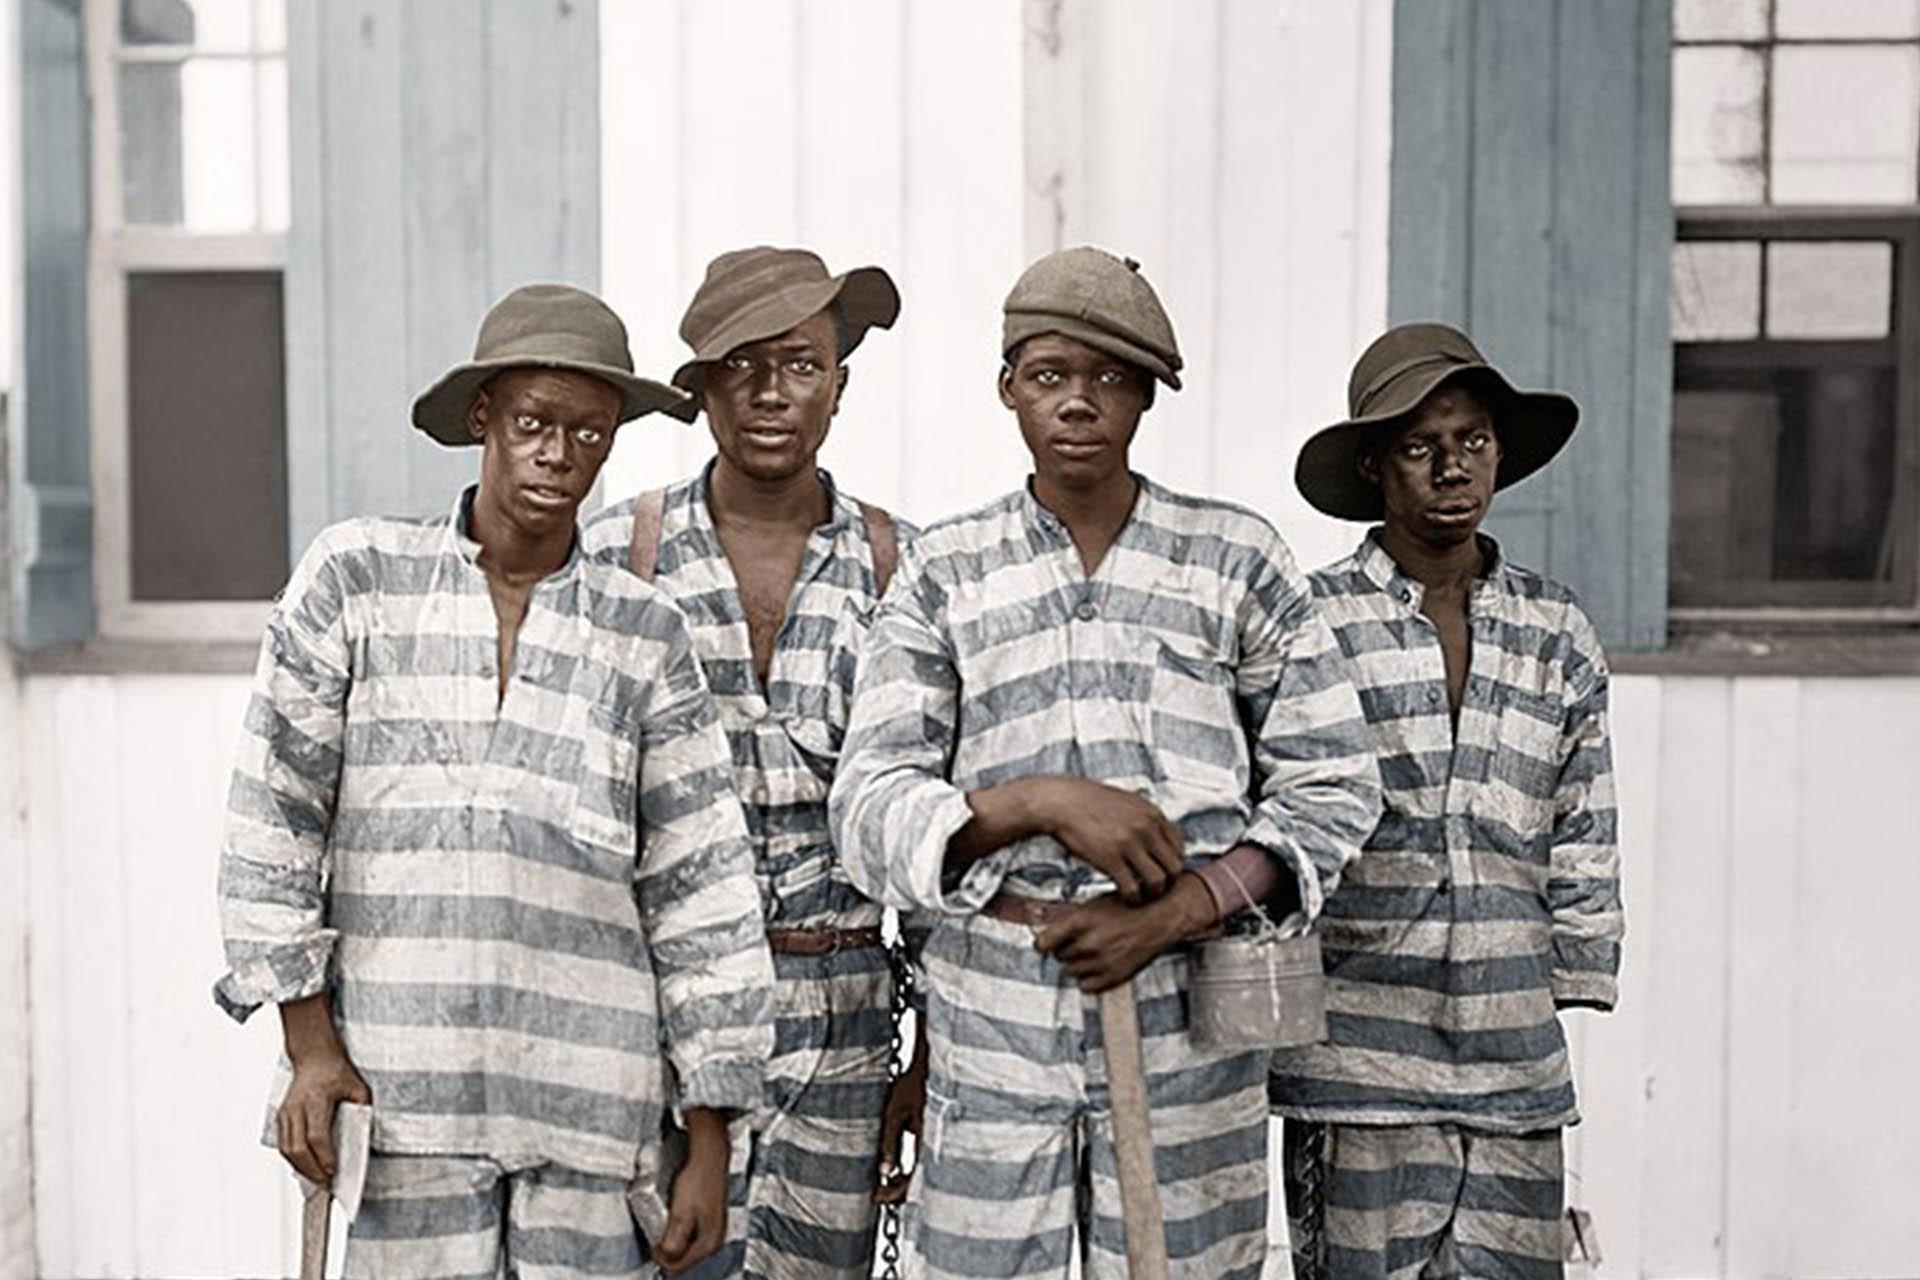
column 1091, row 296
column 542, row 326
column 1404, row 366
column 754, row 294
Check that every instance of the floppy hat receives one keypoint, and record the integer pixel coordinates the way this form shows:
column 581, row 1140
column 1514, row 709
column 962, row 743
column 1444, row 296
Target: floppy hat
column 754, row 294
column 1091, row 296
column 543, row 326
column 1404, row 366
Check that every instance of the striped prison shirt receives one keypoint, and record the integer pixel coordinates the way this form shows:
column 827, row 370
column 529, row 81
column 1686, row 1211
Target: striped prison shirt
column 517, row 903
column 1490, row 892
column 1191, row 667
column 786, row 738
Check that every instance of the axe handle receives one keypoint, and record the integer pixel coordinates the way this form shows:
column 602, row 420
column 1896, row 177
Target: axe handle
column 1132, row 1134
column 313, row 1233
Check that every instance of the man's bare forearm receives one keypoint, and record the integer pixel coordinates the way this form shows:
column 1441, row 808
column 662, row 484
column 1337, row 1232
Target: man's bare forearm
column 1002, row 815
column 306, row 1027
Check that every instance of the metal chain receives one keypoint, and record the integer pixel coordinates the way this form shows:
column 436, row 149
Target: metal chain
column 1304, row 1148
column 896, row 1066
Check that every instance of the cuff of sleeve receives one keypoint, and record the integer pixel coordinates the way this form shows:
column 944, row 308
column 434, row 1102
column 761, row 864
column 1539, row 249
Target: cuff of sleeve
column 1584, row 990
column 1289, row 860
column 724, row 1084
column 974, row 887
column 277, row 976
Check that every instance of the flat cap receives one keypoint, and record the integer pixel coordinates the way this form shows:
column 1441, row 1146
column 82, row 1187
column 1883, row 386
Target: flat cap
column 1094, row 297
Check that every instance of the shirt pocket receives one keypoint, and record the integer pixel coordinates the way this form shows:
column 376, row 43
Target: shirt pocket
column 1195, row 723
column 1523, row 771
column 606, row 798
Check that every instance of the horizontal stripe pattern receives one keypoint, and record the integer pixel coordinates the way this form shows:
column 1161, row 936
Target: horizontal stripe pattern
column 1191, row 668
column 785, row 740
column 519, row 904
column 1407, row 1202
column 804, row 1208
column 458, row 1217
column 1489, row 894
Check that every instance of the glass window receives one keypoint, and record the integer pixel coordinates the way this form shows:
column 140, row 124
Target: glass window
column 1829, row 289
column 1719, row 125
column 1716, row 290
column 1845, row 124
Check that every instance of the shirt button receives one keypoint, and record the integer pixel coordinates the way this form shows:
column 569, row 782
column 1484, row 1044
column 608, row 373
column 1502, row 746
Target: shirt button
column 1085, row 611
column 1433, row 697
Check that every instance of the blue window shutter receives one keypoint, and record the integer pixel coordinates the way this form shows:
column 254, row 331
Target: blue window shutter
column 442, row 153
column 49, row 499
column 1530, row 206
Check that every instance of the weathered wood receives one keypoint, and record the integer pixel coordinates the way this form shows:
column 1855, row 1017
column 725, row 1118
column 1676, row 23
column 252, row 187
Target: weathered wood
column 51, row 509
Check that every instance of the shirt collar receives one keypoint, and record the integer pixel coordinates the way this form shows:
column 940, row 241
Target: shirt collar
column 459, row 534
column 842, row 511
column 1039, row 517
column 1380, row 568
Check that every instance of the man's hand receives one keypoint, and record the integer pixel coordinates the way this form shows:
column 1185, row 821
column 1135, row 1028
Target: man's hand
column 323, row 1078
column 1105, row 941
column 697, row 1208
column 906, row 1102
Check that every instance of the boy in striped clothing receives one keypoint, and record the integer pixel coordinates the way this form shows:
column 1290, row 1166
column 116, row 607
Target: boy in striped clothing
column 778, row 571
column 1424, row 1138
column 484, row 853
column 1082, row 710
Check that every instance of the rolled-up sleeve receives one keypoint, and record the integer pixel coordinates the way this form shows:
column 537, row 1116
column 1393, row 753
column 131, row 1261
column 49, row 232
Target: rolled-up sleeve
column 893, row 808
column 698, row 902
column 1583, row 886
column 1317, row 785
column 280, row 805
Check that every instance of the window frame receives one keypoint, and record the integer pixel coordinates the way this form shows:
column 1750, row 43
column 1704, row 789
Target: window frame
column 116, row 250
column 1821, row 603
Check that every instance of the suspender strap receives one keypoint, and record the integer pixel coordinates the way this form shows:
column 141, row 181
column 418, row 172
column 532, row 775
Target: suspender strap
column 649, row 509
column 643, row 553
column 885, row 543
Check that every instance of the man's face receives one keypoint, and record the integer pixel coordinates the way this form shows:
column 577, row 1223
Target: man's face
column 769, row 403
column 545, row 434
column 1078, row 409
column 1437, row 473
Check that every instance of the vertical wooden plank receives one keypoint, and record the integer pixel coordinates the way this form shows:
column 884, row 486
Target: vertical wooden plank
column 1762, row 941
column 452, row 96
column 1056, row 81
column 50, row 503
column 1683, row 1175
column 965, row 223
column 89, row 1194
column 1856, row 1134
column 1596, row 133
column 641, row 189
column 849, row 206
column 310, row 494
column 1432, row 192
column 541, row 102
column 739, row 120
column 55, row 1185
column 1613, row 1065
column 364, row 188
column 1649, row 449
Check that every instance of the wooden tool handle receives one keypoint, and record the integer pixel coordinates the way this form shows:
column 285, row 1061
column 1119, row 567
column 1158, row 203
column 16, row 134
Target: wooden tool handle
column 313, row 1233
column 1133, row 1134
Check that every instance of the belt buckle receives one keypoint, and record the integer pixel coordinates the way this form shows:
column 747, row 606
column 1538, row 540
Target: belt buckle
column 835, row 938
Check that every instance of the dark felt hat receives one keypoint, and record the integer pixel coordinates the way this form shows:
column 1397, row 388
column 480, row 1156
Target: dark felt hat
column 542, row 326
column 1404, row 366
column 754, row 294
column 1091, row 296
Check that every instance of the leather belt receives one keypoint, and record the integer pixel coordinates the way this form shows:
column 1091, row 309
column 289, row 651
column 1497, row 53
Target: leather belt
column 1033, row 912
column 822, row 942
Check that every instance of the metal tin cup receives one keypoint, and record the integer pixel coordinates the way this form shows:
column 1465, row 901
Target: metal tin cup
column 1257, row 991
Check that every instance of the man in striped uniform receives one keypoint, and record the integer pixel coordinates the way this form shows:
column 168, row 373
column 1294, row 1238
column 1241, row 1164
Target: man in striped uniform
column 1424, row 1139
column 484, row 853
column 778, row 571
column 1077, row 705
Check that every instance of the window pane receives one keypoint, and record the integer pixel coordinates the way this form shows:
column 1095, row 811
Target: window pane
column 1716, row 290
column 270, row 25
column 1846, row 124
column 187, row 144
column 1718, row 155
column 223, row 25
column 1845, row 19
column 274, row 190
column 1783, row 476
column 1719, row 19
column 206, row 435
column 1829, row 289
